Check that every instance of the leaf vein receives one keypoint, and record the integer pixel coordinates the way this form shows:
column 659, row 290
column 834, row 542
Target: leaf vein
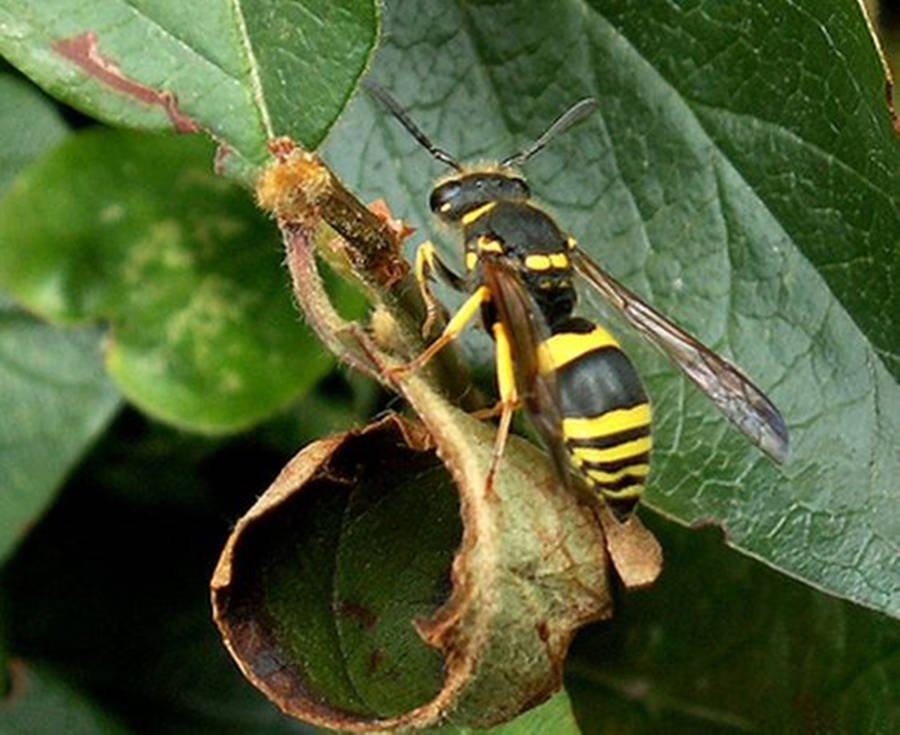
column 255, row 81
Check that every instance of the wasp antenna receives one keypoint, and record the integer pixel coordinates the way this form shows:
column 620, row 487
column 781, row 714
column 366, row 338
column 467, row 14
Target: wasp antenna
column 385, row 98
column 574, row 115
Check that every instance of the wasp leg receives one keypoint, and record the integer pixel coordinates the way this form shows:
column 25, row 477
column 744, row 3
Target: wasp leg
column 428, row 262
column 492, row 412
column 459, row 321
column 509, row 400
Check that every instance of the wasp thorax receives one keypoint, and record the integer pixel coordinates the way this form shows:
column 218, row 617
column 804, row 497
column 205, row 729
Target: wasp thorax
column 452, row 199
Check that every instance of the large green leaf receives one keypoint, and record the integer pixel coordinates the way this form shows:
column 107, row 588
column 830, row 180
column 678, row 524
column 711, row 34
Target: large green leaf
column 742, row 175
column 721, row 644
column 242, row 71
column 138, row 231
column 55, row 397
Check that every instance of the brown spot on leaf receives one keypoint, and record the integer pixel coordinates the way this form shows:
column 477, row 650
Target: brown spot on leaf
column 83, row 51
column 375, row 660
column 543, row 630
column 814, row 716
column 350, row 609
column 222, row 152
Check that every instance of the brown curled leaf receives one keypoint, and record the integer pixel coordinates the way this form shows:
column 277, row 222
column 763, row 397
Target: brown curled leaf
column 633, row 550
column 322, row 586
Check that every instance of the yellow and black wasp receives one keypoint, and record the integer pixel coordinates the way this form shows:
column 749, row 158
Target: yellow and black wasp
column 579, row 388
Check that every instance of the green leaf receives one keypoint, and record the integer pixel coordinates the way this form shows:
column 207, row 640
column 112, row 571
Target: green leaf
column 56, row 398
column 554, row 716
column 42, row 702
column 55, row 401
column 29, row 125
column 346, row 575
column 137, row 231
column 721, row 644
column 244, row 72
column 742, row 175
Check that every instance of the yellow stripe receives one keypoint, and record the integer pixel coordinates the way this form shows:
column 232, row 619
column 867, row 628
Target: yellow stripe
column 638, row 470
column 471, row 260
column 632, row 491
column 572, row 243
column 506, row 372
column 611, row 422
column 469, row 217
column 544, row 261
column 566, row 347
column 537, row 262
column 613, row 454
column 489, row 245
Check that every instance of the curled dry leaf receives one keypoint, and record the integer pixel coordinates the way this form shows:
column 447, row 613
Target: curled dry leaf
column 633, row 550
column 531, row 568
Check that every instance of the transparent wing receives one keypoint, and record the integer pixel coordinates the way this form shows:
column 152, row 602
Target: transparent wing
column 733, row 393
column 527, row 329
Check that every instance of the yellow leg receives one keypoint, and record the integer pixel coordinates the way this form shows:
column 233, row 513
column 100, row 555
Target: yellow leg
column 459, row 321
column 509, row 399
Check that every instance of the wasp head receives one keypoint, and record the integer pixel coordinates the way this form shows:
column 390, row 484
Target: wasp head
column 454, row 197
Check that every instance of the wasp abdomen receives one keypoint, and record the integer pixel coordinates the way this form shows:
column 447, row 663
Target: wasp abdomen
column 606, row 414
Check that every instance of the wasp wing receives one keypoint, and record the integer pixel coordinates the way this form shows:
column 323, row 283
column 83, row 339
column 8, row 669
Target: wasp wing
column 527, row 330
column 733, row 393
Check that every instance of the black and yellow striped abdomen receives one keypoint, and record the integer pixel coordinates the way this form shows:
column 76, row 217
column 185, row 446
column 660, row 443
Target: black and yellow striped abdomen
column 606, row 415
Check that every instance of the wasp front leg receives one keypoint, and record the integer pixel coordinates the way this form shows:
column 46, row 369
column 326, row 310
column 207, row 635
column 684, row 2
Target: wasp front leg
column 429, row 263
column 455, row 326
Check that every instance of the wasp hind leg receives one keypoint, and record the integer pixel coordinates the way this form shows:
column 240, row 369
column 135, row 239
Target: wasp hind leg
column 492, row 412
column 509, row 401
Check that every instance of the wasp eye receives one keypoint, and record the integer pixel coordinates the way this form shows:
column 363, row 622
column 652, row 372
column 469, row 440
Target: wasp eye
column 443, row 196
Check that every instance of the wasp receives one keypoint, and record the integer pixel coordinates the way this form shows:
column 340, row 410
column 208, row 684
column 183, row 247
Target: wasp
column 580, row 389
